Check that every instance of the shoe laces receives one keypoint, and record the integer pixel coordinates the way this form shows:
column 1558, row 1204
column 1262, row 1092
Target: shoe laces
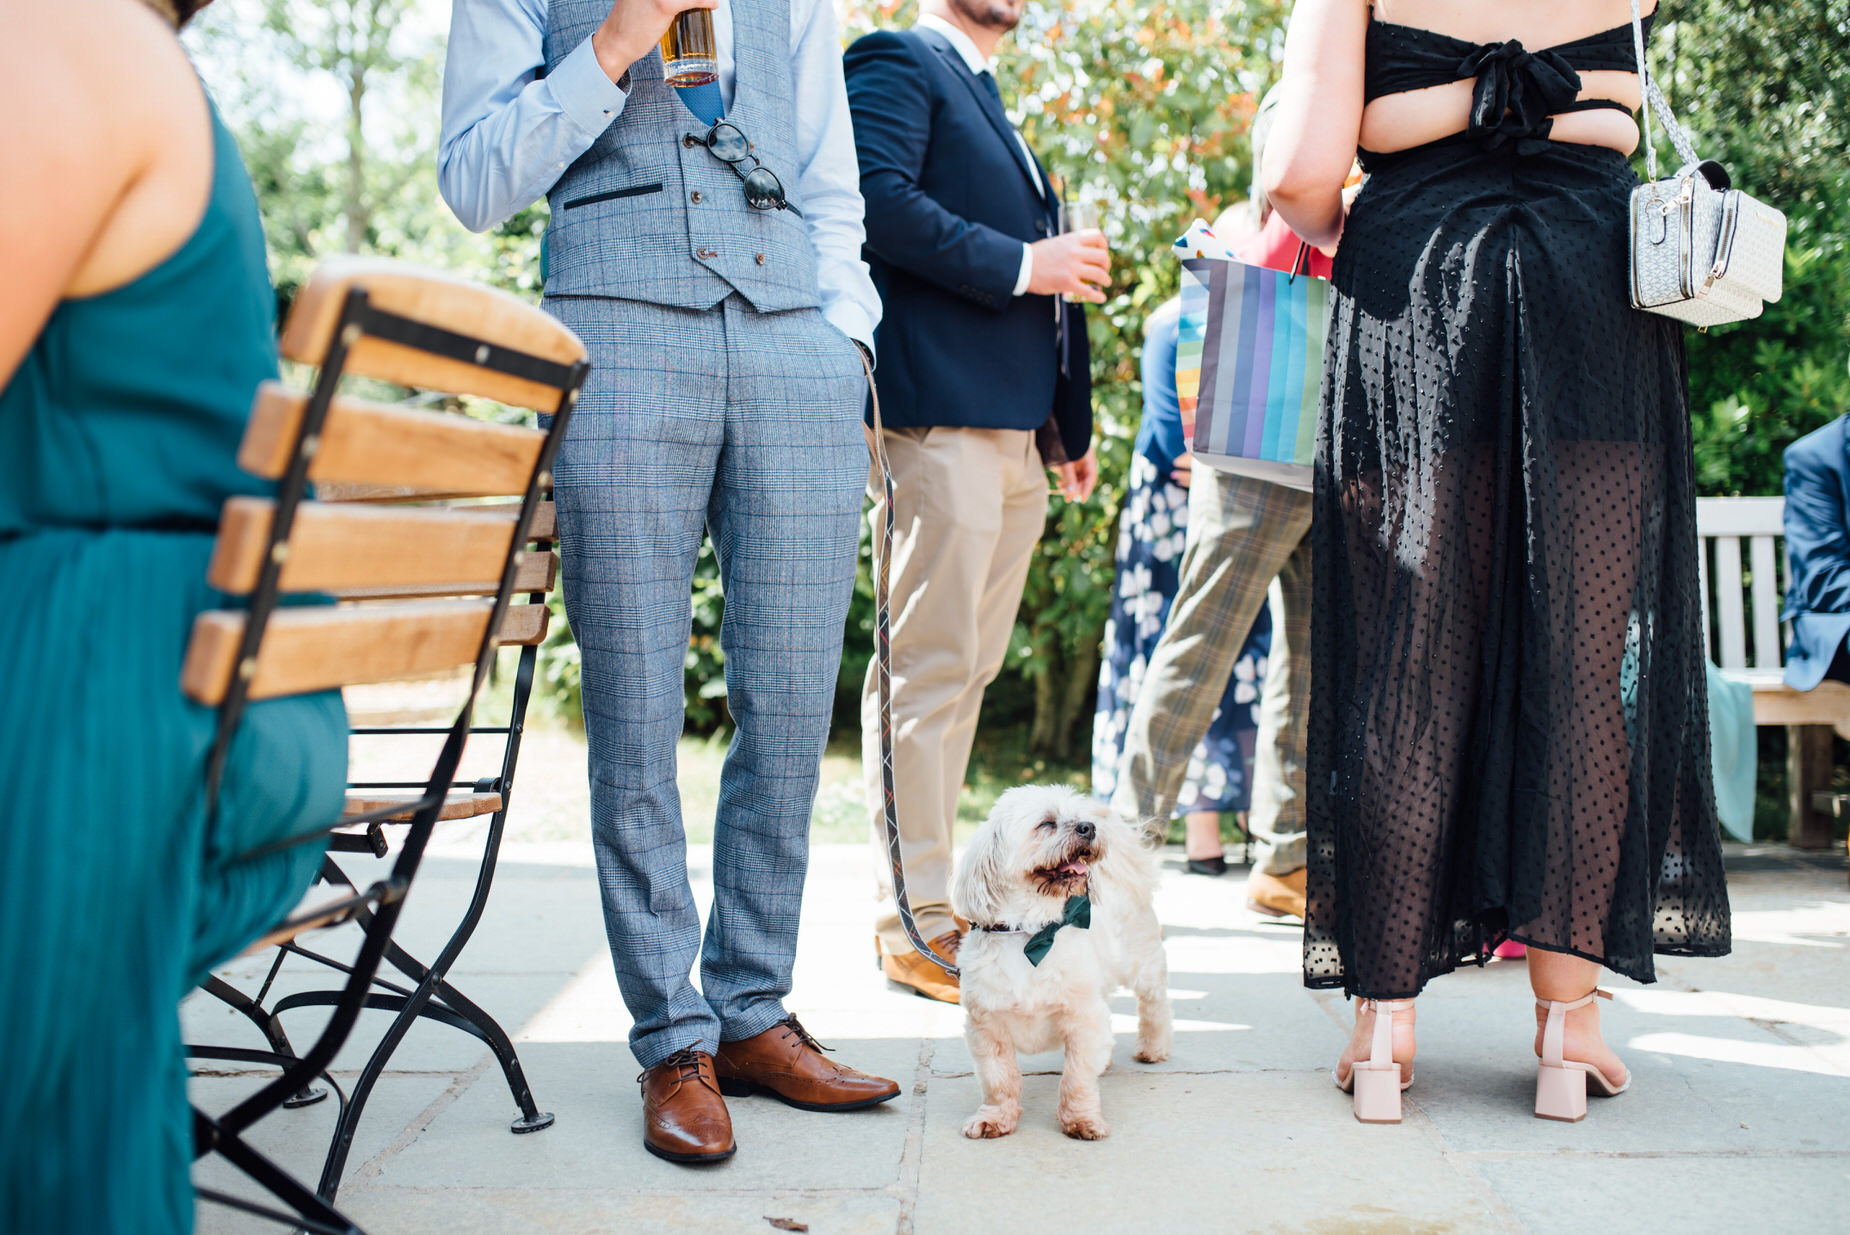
column 685, row 1062
column 803, row 1035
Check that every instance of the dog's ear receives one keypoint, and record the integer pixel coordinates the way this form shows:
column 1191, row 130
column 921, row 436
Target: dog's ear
column 976, row 892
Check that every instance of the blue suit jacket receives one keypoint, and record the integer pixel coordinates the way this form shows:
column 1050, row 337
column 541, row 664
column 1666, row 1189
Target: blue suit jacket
column 1818, row 544
column 950, row 202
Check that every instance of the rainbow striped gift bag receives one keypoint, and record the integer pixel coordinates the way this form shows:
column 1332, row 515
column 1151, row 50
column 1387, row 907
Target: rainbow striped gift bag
column 1249, row 367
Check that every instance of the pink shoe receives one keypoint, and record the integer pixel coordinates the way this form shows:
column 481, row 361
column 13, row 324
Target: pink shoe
column 1561, row 1084
column 1375, row 1081
column 1510, row 950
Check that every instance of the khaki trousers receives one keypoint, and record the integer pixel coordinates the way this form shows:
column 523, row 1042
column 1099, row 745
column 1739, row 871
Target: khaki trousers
column 1245, row 536
column 969, row 506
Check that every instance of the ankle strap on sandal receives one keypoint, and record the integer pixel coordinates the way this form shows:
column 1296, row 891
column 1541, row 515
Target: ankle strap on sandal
column 1554, row 1029
column 1389, row 1006
column 1381, row 1047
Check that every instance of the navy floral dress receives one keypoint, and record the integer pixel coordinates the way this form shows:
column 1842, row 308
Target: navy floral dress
column 1150, row 538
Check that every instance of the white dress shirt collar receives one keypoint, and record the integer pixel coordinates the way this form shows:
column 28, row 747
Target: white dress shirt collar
column 961, row 42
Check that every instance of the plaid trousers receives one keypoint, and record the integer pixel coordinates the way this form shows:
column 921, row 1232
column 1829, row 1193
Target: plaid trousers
column 1242, row 534
column 746, row 425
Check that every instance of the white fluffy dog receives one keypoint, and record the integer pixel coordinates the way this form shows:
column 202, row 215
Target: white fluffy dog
column 1020, row 885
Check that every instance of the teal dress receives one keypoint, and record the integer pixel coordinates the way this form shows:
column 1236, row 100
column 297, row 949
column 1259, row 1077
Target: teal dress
column 118, row 445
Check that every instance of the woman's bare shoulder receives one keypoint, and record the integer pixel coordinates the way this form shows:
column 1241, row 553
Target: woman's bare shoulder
column 91, row 59
column 108, row 151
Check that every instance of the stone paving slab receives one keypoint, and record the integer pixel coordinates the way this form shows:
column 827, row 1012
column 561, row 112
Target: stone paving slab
column 1575, row 1194
column 1226, row 1151
column 585, row 1211
column 592, row 1088
column 299, row 1139
column 1737, row 1113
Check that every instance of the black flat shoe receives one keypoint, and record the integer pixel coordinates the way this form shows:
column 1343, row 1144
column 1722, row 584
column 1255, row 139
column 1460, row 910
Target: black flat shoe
column 1216, row 866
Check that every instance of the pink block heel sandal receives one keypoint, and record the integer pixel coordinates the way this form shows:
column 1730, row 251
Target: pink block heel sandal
column 1375, row 1081
column 1561, row 1084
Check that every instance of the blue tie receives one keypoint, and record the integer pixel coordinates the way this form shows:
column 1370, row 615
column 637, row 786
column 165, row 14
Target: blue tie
column 989, row 82
column 704, row 101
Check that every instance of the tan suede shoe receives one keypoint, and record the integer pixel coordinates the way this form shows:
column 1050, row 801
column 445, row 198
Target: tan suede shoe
column 920, row 976
column 1276, row 896
column 684, row 1118
column 785, row 1062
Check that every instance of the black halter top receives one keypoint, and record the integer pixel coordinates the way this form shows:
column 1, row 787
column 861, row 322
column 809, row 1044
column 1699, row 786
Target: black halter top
column 1517, row 91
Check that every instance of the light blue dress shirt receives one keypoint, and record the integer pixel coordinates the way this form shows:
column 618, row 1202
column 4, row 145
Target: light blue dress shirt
column 509, row 133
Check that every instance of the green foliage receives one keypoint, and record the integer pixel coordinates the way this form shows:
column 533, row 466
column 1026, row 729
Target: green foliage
column 1765, row 90
column 336, row 107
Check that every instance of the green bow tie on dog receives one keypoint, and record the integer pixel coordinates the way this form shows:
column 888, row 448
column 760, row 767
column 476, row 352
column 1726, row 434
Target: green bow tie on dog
column 1078, row 912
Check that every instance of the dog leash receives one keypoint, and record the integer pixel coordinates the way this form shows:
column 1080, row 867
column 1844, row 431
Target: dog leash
column 883, row 676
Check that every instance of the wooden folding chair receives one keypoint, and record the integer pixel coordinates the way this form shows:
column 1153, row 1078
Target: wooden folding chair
column 418, row 588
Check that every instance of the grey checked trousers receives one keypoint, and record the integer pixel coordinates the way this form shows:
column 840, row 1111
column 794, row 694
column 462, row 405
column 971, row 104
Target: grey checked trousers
column 1242, row 534
column 748, row 426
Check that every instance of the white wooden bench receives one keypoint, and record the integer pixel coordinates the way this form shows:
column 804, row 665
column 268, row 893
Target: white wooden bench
column 1747, row 641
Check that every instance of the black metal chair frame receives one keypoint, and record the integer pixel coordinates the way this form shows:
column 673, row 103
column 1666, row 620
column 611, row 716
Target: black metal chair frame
column 377, row 908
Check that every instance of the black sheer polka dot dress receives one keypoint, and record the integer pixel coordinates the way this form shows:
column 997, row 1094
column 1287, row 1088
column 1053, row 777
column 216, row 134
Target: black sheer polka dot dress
column 1509, row 730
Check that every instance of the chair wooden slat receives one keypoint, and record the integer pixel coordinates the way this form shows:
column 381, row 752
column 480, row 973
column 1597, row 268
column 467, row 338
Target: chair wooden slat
column 524, row 624
column 1765, row 590
column 545, row 517
column 410, row 452
column 437, row 299
column 333, row 547
column 324, row 905
column 460, row 805
column 323, row 646
column 537, row 572
column 1728, row 602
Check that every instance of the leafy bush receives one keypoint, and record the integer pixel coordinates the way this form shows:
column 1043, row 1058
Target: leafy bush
column 1765, row 90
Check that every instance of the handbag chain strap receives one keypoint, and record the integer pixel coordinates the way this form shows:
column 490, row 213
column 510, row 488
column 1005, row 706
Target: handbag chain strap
column 1655, row 102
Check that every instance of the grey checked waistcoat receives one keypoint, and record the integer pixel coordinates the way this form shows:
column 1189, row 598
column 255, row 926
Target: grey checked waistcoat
column 644, row 215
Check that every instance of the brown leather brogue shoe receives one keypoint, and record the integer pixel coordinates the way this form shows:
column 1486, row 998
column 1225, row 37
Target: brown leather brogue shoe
column 785, row 1062
column 1276, row 896
column 920, row 976
column 684, row 1117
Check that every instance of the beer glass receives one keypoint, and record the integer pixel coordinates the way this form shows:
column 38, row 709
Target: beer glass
column 690, row 56
column 1081, row 215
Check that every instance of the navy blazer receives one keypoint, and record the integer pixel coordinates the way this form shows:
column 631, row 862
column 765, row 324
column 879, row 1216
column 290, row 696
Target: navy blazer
column 1818, row 549
column 950, row 202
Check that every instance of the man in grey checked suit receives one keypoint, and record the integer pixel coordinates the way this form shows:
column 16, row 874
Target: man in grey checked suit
column 713, row 269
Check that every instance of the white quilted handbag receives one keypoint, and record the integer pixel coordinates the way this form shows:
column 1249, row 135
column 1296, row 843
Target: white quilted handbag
column 1701, row 252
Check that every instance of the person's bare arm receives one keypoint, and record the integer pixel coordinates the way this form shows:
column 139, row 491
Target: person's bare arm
column 1314, row 133
column 108, row 155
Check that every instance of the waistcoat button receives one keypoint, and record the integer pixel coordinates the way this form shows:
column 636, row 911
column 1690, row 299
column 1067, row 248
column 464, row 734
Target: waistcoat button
column 694, row 197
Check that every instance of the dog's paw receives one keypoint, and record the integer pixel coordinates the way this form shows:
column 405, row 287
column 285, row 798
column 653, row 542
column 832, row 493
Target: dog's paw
column 1085, row 1127
column 1151, row 1052
column 989, row 1123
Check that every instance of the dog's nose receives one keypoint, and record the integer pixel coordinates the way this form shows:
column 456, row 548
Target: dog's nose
column 1085, row 829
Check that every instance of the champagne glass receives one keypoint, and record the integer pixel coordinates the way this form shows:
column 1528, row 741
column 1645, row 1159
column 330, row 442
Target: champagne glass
column 690, row 55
